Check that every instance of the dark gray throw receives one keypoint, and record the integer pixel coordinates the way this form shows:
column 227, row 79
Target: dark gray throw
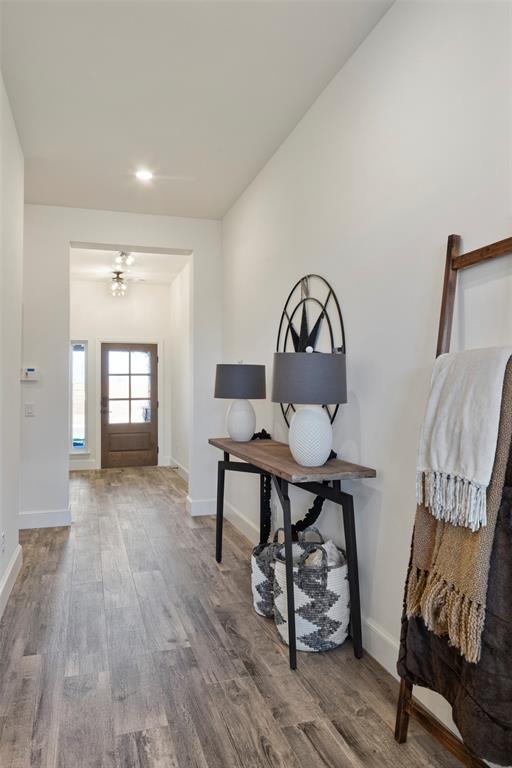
column 480, row 694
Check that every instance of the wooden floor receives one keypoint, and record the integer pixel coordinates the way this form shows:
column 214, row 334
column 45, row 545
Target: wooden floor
column 124, row 644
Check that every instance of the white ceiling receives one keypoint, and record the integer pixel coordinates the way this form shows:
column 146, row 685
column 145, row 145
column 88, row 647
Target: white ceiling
column 202, row 93
column 95, row 264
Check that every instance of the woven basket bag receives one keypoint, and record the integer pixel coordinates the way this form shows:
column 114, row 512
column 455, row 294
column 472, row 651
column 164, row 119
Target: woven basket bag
column 322, row 602
column 262, row 568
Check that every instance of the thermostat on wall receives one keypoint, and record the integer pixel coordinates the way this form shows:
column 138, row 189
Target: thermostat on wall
column 30, row 373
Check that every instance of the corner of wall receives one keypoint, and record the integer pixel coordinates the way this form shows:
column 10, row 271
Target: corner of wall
column 181, row 470
column 9, row 577
column 46, row 518
column 201, row 507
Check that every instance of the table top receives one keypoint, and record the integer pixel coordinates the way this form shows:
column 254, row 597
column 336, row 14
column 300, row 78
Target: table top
column 276, row 459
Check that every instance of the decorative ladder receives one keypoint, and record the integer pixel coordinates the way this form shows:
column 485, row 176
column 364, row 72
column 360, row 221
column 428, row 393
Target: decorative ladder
column 407, row 706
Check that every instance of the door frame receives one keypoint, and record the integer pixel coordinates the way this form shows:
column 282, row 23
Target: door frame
column 129, row 456
column 162, row 399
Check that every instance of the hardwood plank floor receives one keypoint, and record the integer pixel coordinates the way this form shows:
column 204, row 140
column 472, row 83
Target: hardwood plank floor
column 124, row 645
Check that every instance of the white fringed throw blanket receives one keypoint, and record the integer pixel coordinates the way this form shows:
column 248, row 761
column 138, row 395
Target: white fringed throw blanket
column 448, row 577
column 459, row 435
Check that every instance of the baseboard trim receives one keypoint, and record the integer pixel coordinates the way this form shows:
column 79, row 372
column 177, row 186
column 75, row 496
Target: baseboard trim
column 242, row 523
column 180, row 469
column 201, row 507
column 10, row 576
column 381, row 645
column 78, row 464
column 47, row 518
column 384, row 648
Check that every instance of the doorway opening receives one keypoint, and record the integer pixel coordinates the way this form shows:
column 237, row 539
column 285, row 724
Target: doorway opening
column 130, row 361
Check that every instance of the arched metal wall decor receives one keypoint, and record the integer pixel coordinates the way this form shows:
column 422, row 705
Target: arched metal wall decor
column 311, row 318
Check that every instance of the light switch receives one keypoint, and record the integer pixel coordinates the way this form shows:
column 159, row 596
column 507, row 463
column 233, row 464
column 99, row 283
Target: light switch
column 29, row 410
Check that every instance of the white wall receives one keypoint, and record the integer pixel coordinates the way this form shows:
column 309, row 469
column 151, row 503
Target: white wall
column 11, row 256
column 181, row 402
column 410, row 142
column 49, row 231
column 140, row 316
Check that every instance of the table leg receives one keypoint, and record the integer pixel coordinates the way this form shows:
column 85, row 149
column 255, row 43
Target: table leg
column 221, row 472
column 290, row 599
column 353, row 572
column 263, row 512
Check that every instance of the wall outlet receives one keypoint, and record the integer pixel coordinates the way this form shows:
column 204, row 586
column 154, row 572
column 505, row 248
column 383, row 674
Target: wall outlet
column 2, row 542
column 29, row 410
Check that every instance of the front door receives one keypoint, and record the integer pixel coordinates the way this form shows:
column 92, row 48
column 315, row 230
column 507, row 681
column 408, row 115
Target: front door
column 129, row 405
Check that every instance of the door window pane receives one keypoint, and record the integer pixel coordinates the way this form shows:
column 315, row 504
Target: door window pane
column 119, row 412
column 140, row 386
column 118, row 386
column 118, row 361
column 78, row 392
column 141, row 362
column 141, row 411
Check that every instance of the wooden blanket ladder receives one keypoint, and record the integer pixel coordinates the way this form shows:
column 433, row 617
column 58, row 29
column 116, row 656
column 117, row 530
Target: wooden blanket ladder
column 407, row 706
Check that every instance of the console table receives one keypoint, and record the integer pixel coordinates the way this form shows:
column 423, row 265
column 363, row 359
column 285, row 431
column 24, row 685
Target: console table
column 273, row 459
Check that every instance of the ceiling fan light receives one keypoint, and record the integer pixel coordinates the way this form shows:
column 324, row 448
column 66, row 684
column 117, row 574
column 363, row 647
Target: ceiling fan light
column 117, row 284
column 123, row 259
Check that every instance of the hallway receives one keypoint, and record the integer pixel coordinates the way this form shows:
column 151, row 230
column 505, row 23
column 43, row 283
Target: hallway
column 124, row 644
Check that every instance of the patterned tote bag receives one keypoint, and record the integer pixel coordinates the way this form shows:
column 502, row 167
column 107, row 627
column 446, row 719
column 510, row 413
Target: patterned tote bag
column 322, row 602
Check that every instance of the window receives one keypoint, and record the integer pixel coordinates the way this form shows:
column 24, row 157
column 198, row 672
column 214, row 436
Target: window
column 129, row 386
column 78, row 396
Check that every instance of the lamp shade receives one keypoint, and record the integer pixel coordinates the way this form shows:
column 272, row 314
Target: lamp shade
column 309, row 378
column 240, row 381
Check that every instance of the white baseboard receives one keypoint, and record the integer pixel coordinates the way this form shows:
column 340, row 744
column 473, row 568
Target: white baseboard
column 180, row 469
column 240, row 521
column 384, row 647
column 75, row 464
column 201, row 507
column 47, row 518
column 381, row 645
column 9, row 577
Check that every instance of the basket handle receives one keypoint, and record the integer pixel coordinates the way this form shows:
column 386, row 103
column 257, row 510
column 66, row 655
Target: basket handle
column 301, row 535
column 302, row 567
column 313, row 529
column 276, row 534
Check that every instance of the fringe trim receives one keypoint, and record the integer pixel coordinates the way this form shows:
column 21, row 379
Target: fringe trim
column 452, row 499
column 446, row 611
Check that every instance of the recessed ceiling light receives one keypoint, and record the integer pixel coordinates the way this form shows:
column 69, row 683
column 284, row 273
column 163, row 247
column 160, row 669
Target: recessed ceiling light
column 144, row 175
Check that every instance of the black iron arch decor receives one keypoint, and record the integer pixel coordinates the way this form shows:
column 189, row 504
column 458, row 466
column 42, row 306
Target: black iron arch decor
column 311, row 321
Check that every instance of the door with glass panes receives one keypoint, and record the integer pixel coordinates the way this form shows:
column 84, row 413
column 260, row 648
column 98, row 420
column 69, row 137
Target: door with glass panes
column 129, row 405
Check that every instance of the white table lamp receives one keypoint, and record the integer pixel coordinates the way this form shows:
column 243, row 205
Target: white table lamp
column 312, row 379
column 240, row 382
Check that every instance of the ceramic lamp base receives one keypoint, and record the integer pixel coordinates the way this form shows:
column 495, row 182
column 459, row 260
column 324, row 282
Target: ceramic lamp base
column 241, row 421
column 310, row 436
